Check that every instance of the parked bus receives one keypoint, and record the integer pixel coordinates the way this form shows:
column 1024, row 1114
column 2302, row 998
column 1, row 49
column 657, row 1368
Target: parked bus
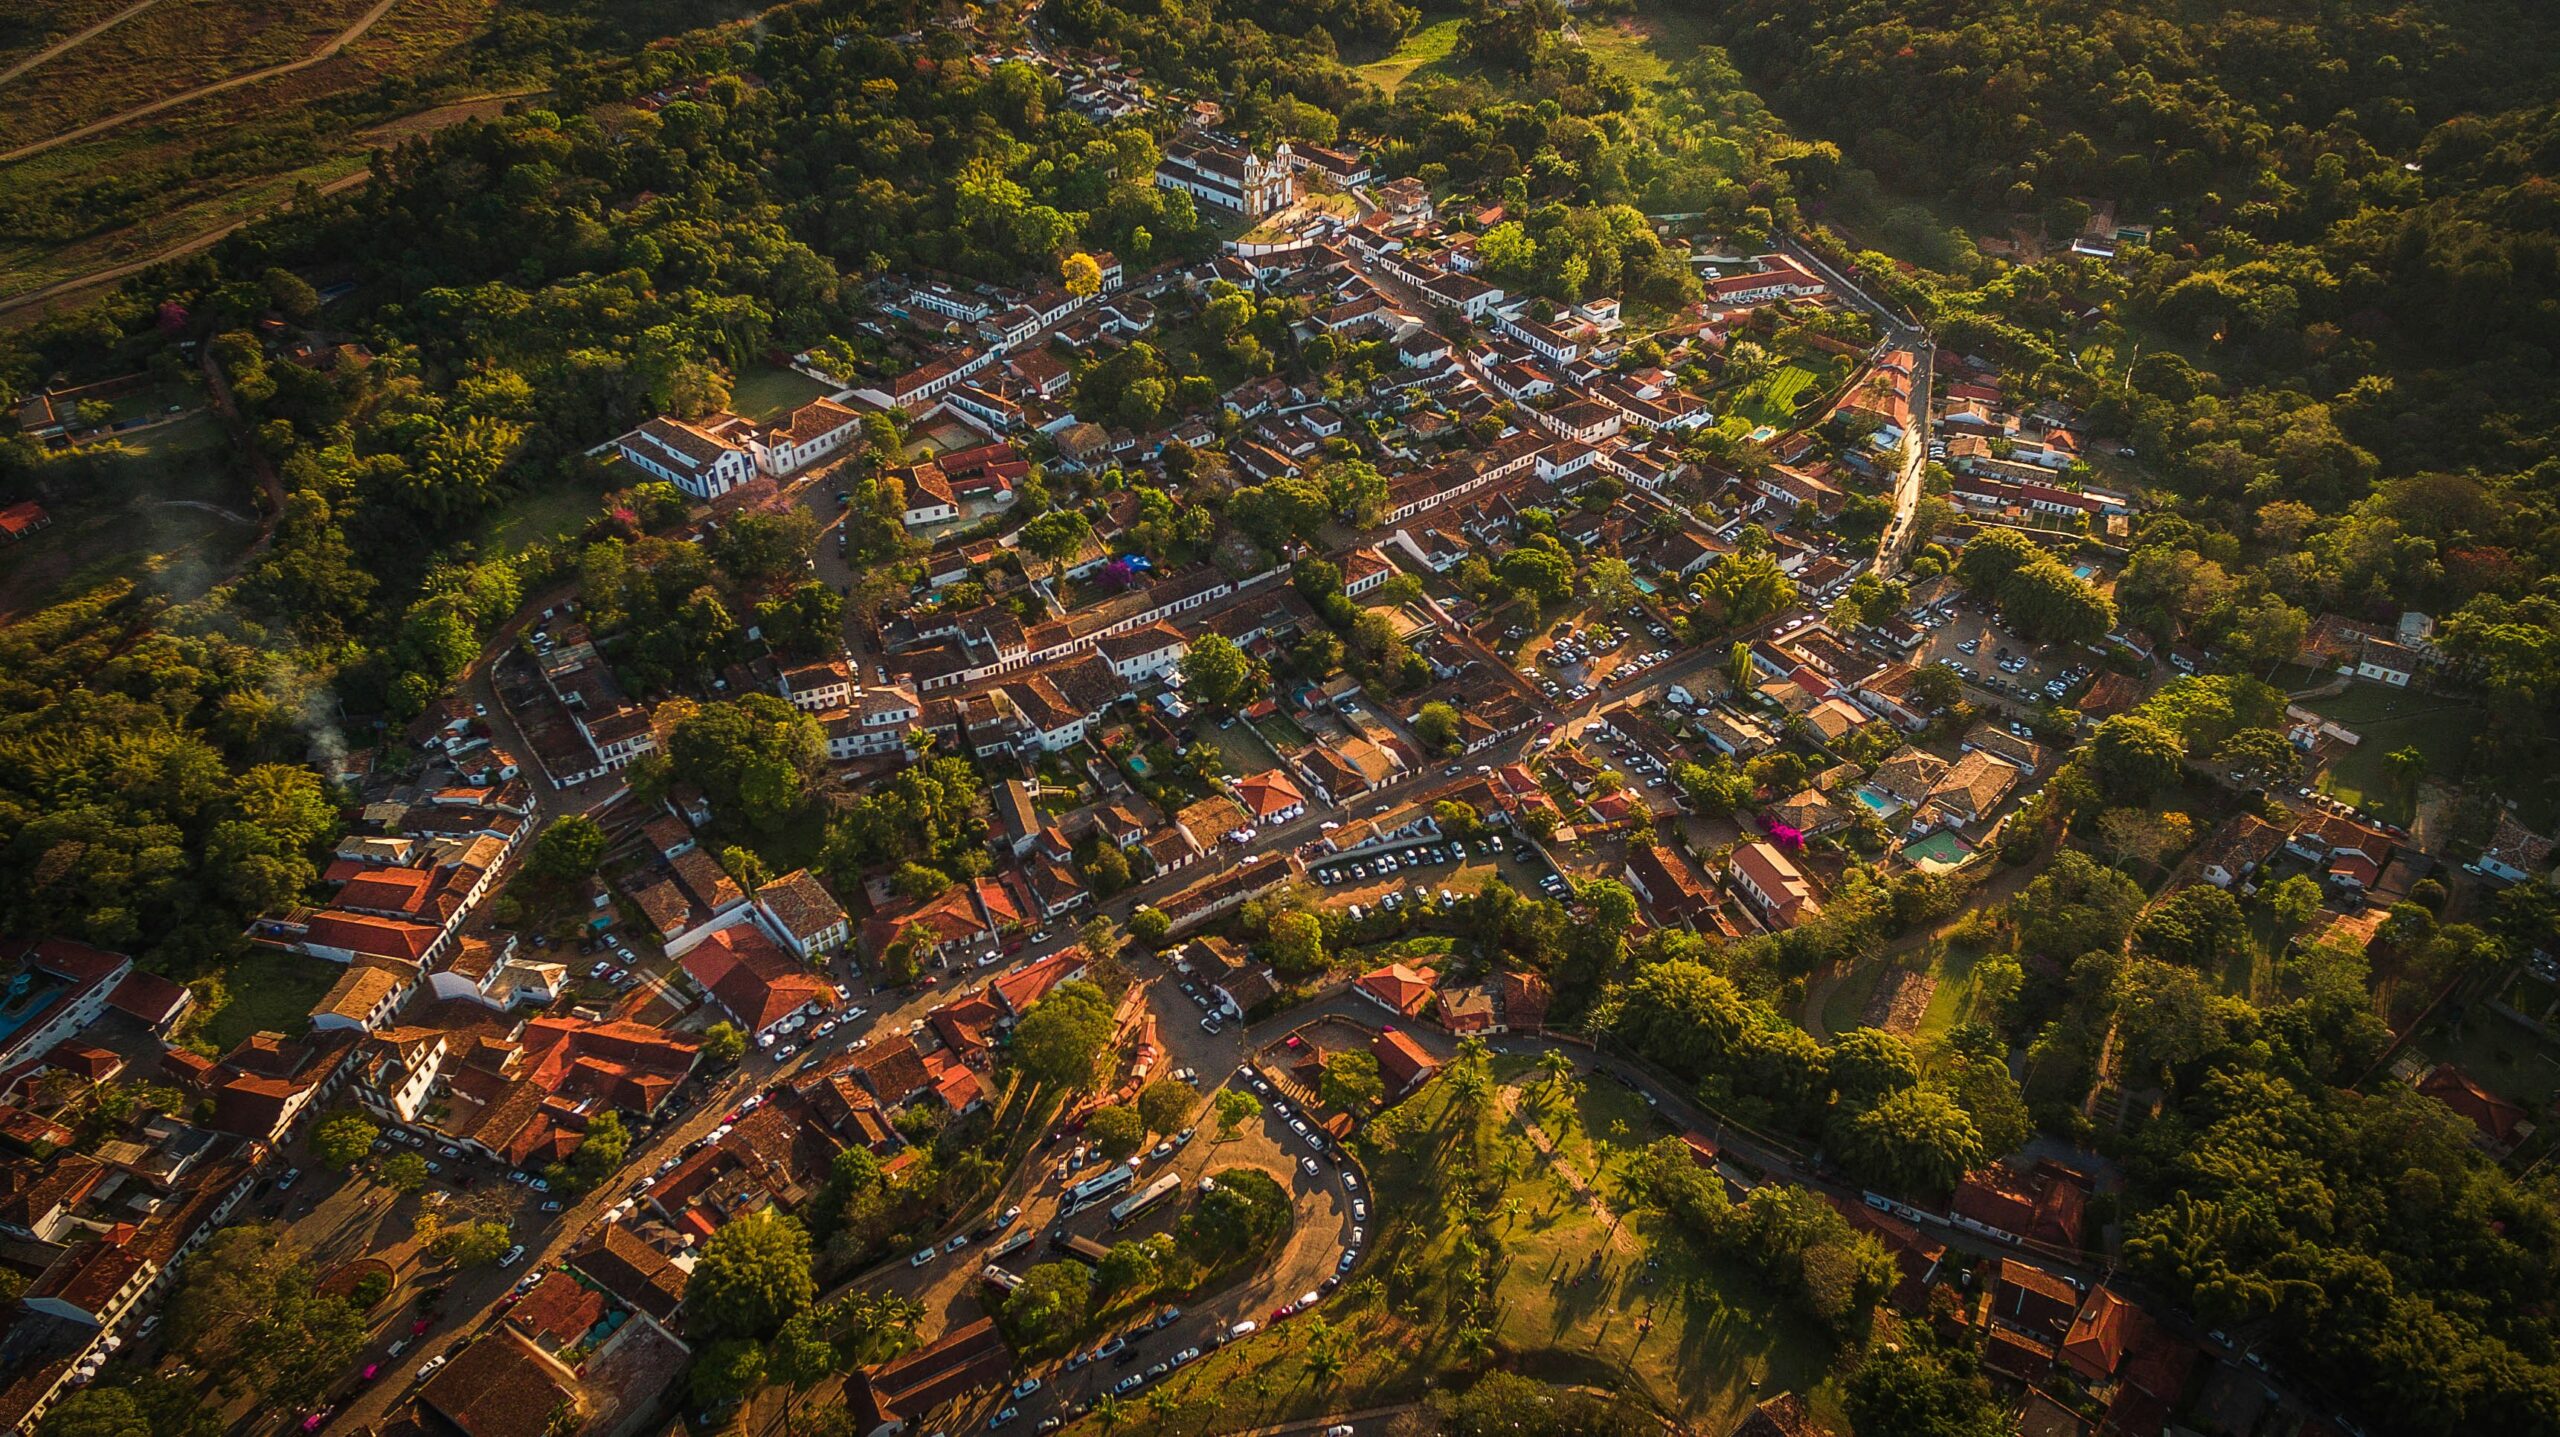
column 1093, row 1190
column 1083, row 1249
column 1016, row 1243
column 1138, row 1202
column 1000, row 1279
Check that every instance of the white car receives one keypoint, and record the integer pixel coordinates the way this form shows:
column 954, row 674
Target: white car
column 514, row 1255
column 920, row 1259
column 432, row 1366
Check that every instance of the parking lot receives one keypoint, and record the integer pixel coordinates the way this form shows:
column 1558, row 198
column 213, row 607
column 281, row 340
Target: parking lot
column 1390, row 880
column 1993, row 660
column 1576, row 658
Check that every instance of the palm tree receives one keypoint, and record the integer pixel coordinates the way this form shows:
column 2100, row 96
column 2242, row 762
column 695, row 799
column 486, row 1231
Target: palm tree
column 1324, row 1352
column 1555, row 1066
column 1160, row 1405
column 1468, row 1085
column 1109, row 1411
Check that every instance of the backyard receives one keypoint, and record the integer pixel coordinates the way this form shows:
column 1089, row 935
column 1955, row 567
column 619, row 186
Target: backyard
column 767, row 392
column 1573, row 1297
column 1767, row 402
column 2386, row 720
column 171, row 517
column 268, row 993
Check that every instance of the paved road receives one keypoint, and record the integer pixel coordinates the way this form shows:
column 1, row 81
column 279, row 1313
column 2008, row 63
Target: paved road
column 1891, row 547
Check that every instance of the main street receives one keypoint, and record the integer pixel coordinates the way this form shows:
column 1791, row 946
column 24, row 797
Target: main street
column 1893, row 547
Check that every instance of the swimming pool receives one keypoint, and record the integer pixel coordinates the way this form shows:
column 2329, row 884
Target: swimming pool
column 2086, row 572
column 1882, row 805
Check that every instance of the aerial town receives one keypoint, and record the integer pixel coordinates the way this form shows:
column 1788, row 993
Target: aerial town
column 1403, row 806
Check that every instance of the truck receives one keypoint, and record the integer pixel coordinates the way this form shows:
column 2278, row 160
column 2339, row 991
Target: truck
column 1138, row 1202
column 1094, row 1189
column 1083, row 1249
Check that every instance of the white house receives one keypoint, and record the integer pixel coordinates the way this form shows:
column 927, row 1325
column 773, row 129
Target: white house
column 695, row 460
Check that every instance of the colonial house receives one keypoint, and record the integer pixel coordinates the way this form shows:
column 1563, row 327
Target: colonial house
column 1773, row 884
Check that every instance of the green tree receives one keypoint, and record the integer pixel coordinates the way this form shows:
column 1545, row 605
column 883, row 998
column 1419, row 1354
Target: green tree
column 1216, row 672
column 344, row 1140
column 1437, row 726
column 1044, row 1314
column 2076, row 906
column 1165, row 1106
column 1921, row 1389
column 404, row 1172
column 752, row 1276
column 1062, row 1038
column 1117, row 1130
column 1149, row 926
column 607, row 1142
column 1058, row 536
column 567, row 851
column 1352, row 1082
column 2295, row 901
column 248, row 1312
column 1914, row 1140
column 1234, row 1107
column 723, row 1043
column 754, row 757
column 728, row 1372
column 1297, row 944
column 472, row 1244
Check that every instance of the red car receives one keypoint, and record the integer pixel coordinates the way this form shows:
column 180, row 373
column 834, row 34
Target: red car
column 419, row 1327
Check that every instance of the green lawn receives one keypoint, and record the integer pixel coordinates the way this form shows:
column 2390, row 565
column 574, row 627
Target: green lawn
column 1282, row 731
column 1699, row 1339
column 2387, row 720
column 270, row 993
column 1429, row 46
column 1769, row 400
column 2500, row 1056
column 552, row 512
column 764, row 391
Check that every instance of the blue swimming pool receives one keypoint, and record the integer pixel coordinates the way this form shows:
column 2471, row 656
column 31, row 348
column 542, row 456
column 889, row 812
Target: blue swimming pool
column 1879, row 804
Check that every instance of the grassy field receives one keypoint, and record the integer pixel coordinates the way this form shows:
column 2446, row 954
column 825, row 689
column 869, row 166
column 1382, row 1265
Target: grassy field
column 550, row 513
column 1769, row 400
column 173, row 517
column 173, row 47
column 2387, row 720
column 30, row 27
column 1570, row 1300
column 133, row 192
column 1429, row 46
column 768, row 392
column 1643, row 48
column 270, row 993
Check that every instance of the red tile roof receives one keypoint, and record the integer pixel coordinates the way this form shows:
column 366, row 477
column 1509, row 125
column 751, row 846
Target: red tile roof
column 754, row 978
column 1402, row 1061
column 1403, row 988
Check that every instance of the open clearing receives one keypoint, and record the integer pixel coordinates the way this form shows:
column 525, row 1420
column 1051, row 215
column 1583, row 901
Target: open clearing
column 1574, row 1299
column 1430, row 45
